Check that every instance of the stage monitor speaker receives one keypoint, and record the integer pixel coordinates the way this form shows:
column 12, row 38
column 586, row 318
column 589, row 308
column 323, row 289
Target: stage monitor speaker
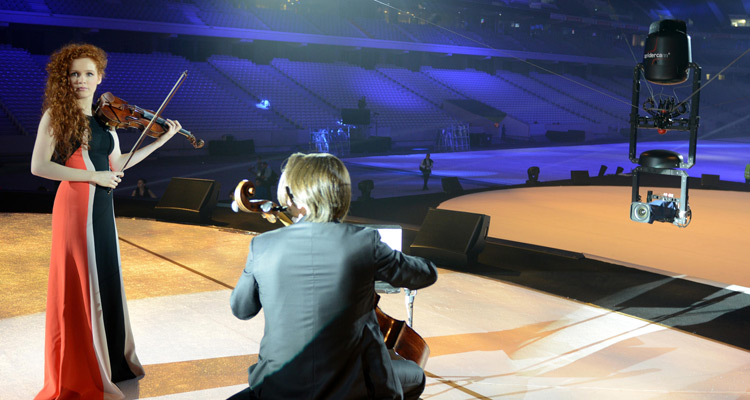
column 189, row 199
column 451, row 185
column 580, row 177
column 710, row 181
column 451, row 238
column 355, row 116
column 477, row 140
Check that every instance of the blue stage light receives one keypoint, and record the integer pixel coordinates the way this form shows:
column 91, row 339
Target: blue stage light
column 264, row 104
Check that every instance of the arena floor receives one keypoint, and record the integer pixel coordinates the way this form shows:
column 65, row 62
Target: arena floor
column 488, row 338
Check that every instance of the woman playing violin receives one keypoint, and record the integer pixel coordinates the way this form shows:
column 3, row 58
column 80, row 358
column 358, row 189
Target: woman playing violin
column 88, row 342
column 314, row 279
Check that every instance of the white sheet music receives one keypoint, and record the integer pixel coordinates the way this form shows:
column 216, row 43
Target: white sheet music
column 392, row 236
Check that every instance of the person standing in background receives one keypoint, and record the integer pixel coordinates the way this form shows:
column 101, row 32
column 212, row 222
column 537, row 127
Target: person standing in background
column 426, row 168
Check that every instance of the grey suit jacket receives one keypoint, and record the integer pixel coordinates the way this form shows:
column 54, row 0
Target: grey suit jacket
column 315, row 283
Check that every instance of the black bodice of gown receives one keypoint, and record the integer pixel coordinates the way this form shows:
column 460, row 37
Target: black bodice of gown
column 101, row 144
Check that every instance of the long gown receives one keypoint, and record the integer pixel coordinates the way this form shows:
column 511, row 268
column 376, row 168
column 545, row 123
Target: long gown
column 88, row 340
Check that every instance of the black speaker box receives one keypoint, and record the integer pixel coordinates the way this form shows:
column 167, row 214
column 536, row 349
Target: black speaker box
column 710, row 181
column 189, row 200
column 375, row 144
column 477, row 140
column 580, row 177
column 451, row 238
column 355, row 116
column 452, row 185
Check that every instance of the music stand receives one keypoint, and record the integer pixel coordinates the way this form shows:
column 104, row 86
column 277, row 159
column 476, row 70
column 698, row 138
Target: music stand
column 391, row 235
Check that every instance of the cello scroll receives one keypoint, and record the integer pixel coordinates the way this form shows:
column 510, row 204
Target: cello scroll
column 243, row 200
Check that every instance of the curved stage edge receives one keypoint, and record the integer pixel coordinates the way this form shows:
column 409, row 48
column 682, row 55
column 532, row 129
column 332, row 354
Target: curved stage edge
column 594, row 221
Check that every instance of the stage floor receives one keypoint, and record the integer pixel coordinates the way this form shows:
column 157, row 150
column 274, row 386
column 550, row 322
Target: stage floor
column 488, row 339
column 595, row 221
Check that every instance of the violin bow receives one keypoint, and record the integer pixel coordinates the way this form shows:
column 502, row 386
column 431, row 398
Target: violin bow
column 166, row 101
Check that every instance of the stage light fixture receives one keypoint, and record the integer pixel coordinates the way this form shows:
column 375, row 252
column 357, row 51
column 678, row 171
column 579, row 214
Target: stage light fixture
column 533, row 173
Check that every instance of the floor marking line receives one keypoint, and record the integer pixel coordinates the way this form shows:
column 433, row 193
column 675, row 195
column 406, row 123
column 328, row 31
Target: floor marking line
column 183, row 266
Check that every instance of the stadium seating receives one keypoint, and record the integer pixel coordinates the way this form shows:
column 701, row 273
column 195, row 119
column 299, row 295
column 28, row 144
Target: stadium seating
column 291, row 100
column 163, row 11
column 201, row 105
column 505, row 96
column 598, row 103
column 342, row 85
column 426, row 87
column 22, row 83
column 14, row 5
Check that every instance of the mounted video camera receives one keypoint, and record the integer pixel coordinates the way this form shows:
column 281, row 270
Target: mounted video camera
column 658, row 208
column 667, row 59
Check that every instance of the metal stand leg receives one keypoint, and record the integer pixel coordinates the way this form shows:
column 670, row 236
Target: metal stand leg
column 409, row 299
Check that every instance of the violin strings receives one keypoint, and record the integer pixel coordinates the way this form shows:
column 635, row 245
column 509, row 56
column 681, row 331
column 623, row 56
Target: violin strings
column 171, row 93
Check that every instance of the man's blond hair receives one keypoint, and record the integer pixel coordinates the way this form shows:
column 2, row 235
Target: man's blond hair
column 321, row 182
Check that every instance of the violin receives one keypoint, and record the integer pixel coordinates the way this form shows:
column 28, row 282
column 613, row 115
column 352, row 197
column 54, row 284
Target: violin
column 243, row 194
column 397, row 335
column 118, row 114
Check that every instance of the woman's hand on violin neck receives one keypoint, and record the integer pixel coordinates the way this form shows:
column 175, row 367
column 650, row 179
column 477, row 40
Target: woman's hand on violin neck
column 108, row 179
column 173, row 127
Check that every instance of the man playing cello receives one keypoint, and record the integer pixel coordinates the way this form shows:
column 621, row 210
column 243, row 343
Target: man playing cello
column 315, row 280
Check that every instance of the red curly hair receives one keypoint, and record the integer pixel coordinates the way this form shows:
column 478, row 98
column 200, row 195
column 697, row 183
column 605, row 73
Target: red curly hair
column 69, row 124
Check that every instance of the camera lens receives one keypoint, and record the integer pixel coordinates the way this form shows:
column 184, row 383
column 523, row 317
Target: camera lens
column 640, row 212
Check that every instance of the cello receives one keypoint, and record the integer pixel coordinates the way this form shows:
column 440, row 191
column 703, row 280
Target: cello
column 401, row 338
column 397, row 335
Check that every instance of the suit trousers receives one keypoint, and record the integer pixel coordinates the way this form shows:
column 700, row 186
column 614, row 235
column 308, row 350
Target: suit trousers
column 410, row 374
